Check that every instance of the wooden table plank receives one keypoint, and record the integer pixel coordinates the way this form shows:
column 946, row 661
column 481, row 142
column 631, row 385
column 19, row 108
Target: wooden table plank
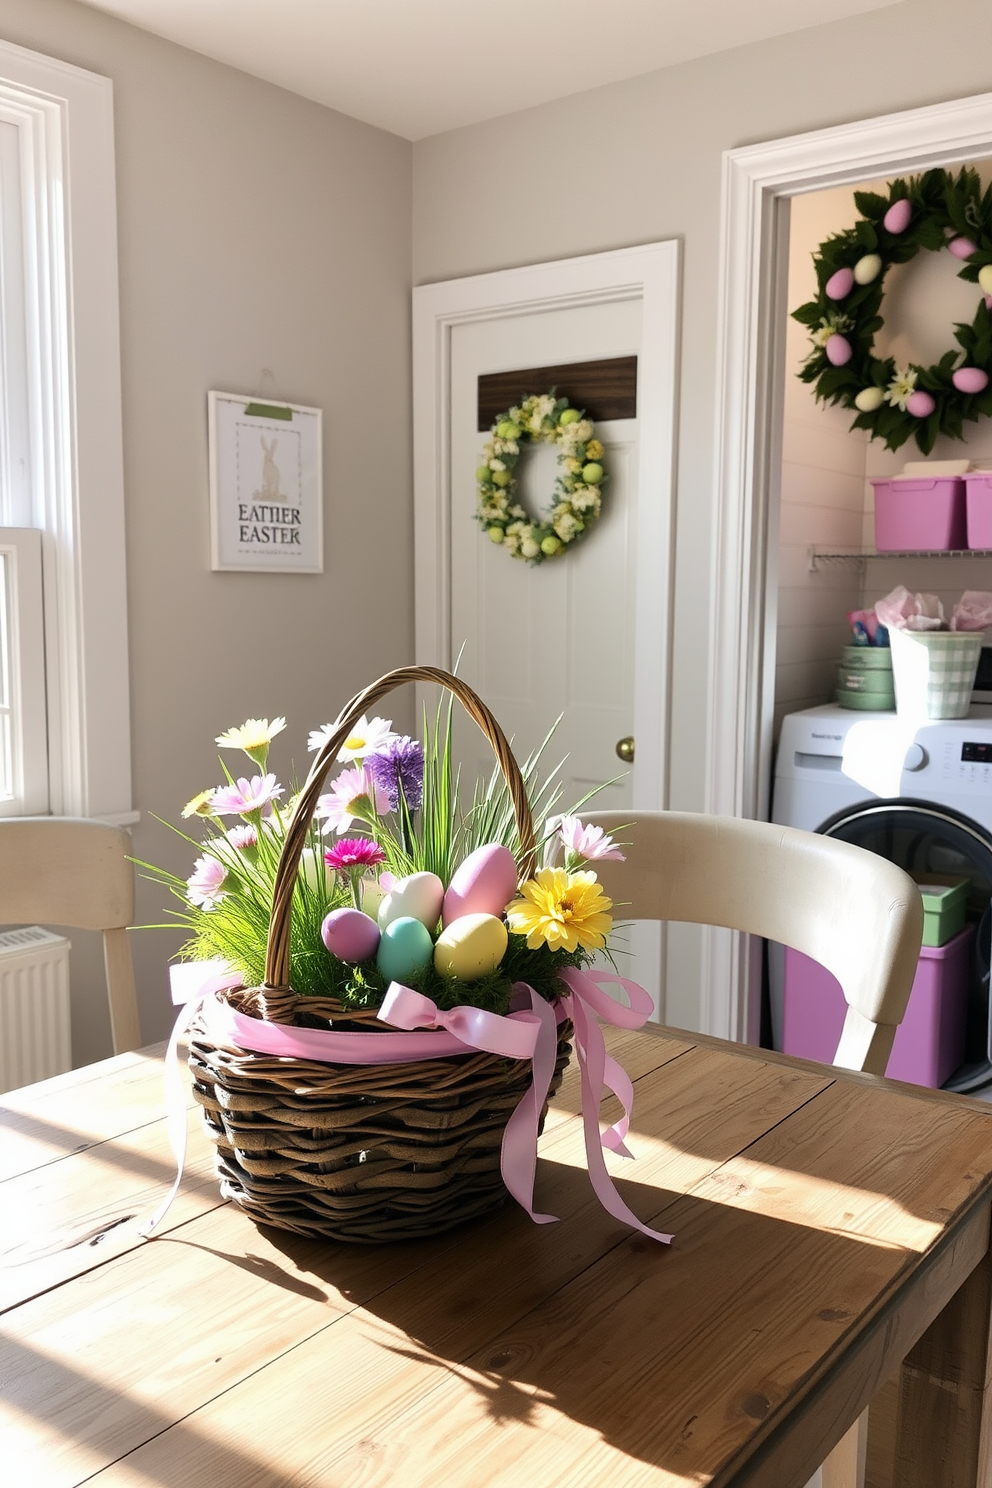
column 43, row 1122
column 439, row 1316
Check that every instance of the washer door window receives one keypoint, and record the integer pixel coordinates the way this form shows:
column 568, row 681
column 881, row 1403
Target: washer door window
column 938, row 842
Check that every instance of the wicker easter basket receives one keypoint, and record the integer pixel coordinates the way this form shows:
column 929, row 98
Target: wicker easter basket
column 359, row 1152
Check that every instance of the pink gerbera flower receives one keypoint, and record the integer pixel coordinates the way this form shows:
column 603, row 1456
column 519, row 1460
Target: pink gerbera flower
column 585, row 842
column 354, row 852
column 353, row 794
column 245, row 796
column 203, row 887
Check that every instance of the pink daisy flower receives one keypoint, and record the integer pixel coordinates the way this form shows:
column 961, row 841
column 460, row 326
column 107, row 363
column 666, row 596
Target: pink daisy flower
column 203, row 887
column 586, row 841
column 353, row 794
column 354, row 852
column 241, row 837
column 245, row 796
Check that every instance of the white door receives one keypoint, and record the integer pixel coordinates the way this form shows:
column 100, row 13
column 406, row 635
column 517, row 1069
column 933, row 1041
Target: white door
column 554, row 639
column 584, row 635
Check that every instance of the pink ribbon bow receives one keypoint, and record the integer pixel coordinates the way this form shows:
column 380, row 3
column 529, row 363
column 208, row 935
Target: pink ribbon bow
column 431, row 1033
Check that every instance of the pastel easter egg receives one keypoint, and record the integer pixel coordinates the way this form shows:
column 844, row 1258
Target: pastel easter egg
column 920, row 404
column 470, row 947
column 985, row 279
column 838, row 350
column 896, row 219
column 839, row 285
column 868, row 268
column 405, row 948
column 970, row 380
column 869, row 399
column 483, row 884
column 350, row 935
column 962, row 247
column 416, row 897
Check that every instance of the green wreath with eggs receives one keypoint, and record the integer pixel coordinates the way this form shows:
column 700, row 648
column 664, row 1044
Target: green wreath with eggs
column 931, row 211
column 577, row 497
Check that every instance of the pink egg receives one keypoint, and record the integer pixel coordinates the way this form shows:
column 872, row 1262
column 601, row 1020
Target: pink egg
column 962, row 247
column 350, row 935
column 839, row 285
column 920, row 404
column 896, row 219
column 484, row 884
column 838, row 350
column 970, row 380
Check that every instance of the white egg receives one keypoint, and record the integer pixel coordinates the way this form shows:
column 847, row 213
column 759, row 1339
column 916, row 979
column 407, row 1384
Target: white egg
column 869, row 399
column 868, row 268
column 418, row 897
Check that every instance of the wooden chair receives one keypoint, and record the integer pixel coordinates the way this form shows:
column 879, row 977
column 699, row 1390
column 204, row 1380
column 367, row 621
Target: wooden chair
column 857, row 914
column 69, row 871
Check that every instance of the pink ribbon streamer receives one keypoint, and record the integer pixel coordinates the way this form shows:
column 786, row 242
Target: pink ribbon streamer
column 529, row 1032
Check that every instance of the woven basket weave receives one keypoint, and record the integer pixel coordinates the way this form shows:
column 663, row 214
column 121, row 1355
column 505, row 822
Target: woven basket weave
column 359, row 1152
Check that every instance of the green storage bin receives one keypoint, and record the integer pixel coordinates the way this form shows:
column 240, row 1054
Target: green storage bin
column 945, row 903
column 867, row 702
column 867, row 659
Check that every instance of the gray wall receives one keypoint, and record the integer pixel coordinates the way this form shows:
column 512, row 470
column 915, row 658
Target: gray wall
column 256, row 230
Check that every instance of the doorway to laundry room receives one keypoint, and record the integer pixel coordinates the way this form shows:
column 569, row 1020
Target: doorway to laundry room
column 843, row 760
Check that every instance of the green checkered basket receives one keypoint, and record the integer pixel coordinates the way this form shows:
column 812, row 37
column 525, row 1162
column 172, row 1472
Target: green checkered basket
column 934, row 671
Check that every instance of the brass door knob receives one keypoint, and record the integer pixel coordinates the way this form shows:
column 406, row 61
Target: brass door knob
column 625, row 749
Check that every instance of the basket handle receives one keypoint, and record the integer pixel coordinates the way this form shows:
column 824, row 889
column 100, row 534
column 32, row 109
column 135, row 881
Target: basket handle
column 277, row 948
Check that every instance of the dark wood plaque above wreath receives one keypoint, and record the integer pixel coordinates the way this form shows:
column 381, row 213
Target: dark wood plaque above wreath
column 932, row 211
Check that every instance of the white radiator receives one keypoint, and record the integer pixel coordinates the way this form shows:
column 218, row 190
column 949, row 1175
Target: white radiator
column 34, row 1006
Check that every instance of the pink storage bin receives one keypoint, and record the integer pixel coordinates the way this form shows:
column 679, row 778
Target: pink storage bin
column 919, row 515
column 978, row 503
column 929, row 1042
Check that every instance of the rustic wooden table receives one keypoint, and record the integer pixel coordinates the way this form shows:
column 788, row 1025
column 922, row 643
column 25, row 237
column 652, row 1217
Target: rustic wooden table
column 827, row 1225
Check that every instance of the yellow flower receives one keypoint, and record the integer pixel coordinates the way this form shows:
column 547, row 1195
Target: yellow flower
column 562, row 910
column 200, row 805
column 254, row 737
column 595, row 450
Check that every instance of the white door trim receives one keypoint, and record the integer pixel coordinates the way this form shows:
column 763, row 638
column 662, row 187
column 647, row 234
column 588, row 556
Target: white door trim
column 649, row 273
column 757, row 180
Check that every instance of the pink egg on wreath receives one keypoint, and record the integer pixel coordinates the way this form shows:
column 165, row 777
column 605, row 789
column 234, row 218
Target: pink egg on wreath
column 839, row 285
column 962, row 247
column 970, row 380
column 838, row 350
column 920, row 404
column 896, row 219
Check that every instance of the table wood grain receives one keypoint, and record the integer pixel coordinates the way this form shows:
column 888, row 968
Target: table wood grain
column 828, row 1226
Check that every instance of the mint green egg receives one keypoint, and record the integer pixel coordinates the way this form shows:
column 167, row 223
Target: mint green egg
column 405, row 948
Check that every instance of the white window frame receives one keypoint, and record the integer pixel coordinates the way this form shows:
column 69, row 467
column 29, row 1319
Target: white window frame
column 64, row 116
column 22, row 639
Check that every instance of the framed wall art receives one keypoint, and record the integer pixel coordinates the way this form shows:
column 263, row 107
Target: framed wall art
column 266, row 497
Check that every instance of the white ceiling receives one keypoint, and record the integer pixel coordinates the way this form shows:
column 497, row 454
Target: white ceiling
column 417, row 67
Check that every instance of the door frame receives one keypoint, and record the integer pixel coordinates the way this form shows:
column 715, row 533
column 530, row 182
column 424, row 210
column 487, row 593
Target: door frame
column 757, row 183
column 649, row 273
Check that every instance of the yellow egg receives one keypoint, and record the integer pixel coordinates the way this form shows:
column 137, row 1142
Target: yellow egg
column 869, row 399
column 471, row 947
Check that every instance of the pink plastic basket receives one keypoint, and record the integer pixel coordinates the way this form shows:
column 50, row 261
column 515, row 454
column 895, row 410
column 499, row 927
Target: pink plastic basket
column 978, row 501
column 929, row 1043
column 920, row 515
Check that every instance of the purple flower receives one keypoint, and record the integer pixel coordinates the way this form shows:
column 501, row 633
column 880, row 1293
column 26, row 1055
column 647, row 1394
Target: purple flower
column 354, row 852
column 399, row 767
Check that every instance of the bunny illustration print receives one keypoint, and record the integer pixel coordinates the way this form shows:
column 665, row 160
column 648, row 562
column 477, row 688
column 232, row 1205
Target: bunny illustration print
column 270, row 471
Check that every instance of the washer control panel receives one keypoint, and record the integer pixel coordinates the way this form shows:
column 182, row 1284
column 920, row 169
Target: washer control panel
column 967, row 763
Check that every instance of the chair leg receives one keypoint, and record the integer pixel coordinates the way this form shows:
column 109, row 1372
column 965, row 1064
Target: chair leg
column 845, row 1467
column 125, row 1025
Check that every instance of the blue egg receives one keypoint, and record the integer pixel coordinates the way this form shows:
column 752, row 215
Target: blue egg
column 405, row 947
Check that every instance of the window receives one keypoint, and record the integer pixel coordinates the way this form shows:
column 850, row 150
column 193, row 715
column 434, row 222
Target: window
column 61, row 469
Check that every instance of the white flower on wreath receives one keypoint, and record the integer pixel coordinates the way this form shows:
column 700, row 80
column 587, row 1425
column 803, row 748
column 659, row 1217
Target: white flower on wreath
column 495, row 464
column 901, row 388
column 585, row 498
column 511, row 543
column 567, row 526
column 572, row 465
column 518, row 512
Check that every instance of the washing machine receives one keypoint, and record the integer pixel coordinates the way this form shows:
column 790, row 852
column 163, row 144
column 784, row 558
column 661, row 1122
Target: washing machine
column 917, row 794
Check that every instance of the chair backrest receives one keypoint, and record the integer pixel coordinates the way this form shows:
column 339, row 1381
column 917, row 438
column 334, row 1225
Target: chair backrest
column 74, row 872
column 857, row 914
